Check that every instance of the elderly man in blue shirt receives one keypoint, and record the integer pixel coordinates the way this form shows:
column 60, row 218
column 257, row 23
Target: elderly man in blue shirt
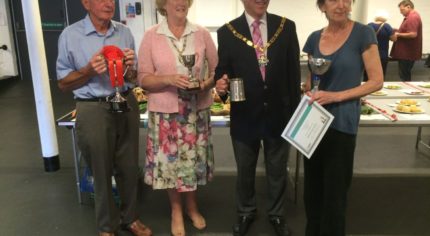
column 107, row 140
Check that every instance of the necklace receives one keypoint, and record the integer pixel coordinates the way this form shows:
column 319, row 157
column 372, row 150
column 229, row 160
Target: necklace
column 262, row 61
column 184, row 45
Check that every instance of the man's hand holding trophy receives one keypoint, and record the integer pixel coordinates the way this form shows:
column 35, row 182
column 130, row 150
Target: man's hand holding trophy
column 115, row 59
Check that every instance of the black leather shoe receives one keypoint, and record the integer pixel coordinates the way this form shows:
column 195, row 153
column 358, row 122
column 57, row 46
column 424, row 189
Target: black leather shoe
column 242, row 225
column 280, row 226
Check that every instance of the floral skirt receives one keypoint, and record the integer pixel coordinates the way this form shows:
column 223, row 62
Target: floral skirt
column 179, row 151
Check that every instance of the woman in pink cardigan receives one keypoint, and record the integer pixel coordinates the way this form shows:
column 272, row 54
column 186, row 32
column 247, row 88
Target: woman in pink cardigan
column 179, row 152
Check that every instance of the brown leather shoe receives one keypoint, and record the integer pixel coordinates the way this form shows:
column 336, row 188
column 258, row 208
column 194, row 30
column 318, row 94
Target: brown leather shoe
column 139, row 229
column 106, row 234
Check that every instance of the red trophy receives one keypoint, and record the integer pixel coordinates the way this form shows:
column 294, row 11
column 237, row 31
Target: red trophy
column 115, row 60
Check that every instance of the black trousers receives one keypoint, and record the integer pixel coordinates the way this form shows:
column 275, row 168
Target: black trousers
column 405, row 69
column 328, row 176
column 276, row 151
column 109, row 143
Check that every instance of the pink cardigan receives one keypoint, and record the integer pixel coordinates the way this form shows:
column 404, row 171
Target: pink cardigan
column 157, row 58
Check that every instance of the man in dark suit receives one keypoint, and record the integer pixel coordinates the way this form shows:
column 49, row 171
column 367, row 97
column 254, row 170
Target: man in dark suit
column 263, row 50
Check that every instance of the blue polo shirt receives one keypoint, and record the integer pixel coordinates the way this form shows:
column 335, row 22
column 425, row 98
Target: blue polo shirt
column 79, row 42
column 345, row 72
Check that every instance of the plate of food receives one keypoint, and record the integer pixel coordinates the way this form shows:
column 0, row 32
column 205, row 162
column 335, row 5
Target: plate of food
column 219, row 109
column 409, row 112
column 414, row 92
column 379, row 93
column 392, row 86
column 365, row 110
column 409, row 109
column 424, row 85
column 408, row 102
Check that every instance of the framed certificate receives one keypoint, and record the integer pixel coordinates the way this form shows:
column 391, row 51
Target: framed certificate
column 307, row 126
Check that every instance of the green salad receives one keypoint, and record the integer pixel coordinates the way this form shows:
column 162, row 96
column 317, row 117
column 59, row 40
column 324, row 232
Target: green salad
column 365, row 110
column 216, row 106
column 142, row 107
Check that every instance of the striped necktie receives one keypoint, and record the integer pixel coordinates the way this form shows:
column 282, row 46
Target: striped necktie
column 258, row 41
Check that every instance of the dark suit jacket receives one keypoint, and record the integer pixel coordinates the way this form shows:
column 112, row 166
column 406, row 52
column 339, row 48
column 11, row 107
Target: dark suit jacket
column 269, row 104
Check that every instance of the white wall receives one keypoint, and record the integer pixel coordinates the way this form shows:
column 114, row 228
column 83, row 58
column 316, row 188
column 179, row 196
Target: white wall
column 305, row 13
column 213, row 13
column 138, row 23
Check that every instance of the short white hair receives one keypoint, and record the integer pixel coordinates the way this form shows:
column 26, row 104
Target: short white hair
column 381, row 15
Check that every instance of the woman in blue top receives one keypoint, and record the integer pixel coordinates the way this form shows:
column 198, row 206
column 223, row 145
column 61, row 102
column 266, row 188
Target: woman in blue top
column 384, row 33
column 351, row 47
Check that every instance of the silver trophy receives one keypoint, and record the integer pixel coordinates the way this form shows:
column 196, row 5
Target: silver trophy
column 118, row 104
column 189, row 61
column 115, row 60
column 318, row 66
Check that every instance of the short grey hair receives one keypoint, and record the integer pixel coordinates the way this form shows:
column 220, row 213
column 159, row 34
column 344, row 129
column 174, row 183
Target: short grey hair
column 380, row 18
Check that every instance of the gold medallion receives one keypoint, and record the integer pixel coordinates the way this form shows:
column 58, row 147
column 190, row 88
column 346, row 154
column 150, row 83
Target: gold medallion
column 262, row 60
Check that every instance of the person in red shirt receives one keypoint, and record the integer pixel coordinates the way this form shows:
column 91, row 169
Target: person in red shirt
column 408, row 47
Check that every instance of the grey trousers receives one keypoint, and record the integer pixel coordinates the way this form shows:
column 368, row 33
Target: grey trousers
column 276, row 151
column 109, row 143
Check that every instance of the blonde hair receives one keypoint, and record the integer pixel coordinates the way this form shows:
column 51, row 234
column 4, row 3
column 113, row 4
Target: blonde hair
column 161, row 3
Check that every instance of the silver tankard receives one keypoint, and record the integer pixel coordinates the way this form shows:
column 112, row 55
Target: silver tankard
column 237, row 90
